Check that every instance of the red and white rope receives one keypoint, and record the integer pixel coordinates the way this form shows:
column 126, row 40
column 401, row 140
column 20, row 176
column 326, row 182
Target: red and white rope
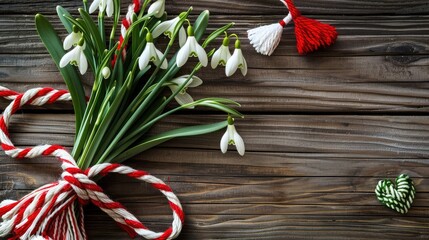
column 54, row 211
column 126, row 23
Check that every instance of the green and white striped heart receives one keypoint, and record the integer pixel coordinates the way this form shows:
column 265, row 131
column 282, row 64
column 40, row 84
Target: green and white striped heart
column 398, row 196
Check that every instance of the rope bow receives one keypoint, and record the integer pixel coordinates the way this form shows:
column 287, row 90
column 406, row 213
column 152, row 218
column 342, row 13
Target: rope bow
column 55, row 211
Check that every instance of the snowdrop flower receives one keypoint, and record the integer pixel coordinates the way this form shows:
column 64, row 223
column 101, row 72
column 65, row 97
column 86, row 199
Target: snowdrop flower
column 168, row 27
column 102, row 5
column 157, row 8
column 231, row 137
column 76, row 57
column 183, row 97
column 191, row 48
column 72, row 39
column 222, row 55
column 236, row 61
column 151, row 54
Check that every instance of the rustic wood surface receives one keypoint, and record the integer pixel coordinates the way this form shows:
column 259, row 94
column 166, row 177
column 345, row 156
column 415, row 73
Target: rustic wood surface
column 320, row 130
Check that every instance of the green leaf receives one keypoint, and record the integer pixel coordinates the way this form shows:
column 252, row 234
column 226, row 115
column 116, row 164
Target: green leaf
column 163, row 137
column 200, row 24
column 55, row 48
column 62, row 12
column 93, row 31
column 106, row 122
column 216, row 34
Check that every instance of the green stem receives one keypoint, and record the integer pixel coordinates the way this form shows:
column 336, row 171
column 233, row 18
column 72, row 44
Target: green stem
column 85, row 5
column 101, row 27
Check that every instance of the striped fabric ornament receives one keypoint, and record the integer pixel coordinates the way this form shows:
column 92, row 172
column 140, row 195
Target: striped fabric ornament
column 310, row 34
column 55, row 210
column 399, row 195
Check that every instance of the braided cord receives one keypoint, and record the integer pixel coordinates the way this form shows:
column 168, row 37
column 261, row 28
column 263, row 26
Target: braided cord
column 50, row 211
column 398, row 196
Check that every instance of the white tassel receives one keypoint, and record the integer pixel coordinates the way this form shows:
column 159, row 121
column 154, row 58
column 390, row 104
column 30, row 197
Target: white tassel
column 265, row 39
column 6, row 202
column 37, row 238
column 6, row 227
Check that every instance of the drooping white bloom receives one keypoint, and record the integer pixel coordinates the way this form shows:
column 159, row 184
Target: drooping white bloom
column 76, row 57
column 191, row 49
column 231, row 137
column 151, row 54
column 183, row 97
column 157, row 8
column 168, row 27
column 72, row 39
column 236, row 61
column 222, row 55
column 102, row 5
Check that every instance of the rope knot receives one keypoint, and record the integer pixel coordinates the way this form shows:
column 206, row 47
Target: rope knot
column 80, row 183
column 51, row 212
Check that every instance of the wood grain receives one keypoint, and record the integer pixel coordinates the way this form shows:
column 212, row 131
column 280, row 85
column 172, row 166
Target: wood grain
column 320, row 130
column 363, row 72
column 266, row 193
column 389, row 136
column 255, row 7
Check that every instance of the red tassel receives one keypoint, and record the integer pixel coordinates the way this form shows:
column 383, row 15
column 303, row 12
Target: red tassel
column 310, row 34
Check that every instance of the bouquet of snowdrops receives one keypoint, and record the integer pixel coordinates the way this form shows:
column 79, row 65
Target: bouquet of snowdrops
column 134, row 81
column 131, row 75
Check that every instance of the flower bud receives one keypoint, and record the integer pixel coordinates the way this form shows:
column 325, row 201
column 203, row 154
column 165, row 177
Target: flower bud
column 105, row 72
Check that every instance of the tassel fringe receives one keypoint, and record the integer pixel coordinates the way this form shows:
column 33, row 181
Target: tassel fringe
column 310, row 34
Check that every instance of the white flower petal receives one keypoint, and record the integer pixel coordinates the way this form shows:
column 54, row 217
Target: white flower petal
column 231, row 131
column 94, row 5
column 232, row 64
column 110, row 8
column 162, row 10
column 239, row 143
column 157, row 8
column 183, row 54
column 83, row 64
column 192, row 43
column 243, row 67
column 184, row 98
column 180, row 80
column 182, row 36
column 102, row 5
column 144, row 58
column 160, row 55
column 161, row 28
column 226, row 54
column 67, row 58
column 202, row 55
column 224, row 142
column 174, row 88
column 195, row 82
column 216, row 58
column 68, row 42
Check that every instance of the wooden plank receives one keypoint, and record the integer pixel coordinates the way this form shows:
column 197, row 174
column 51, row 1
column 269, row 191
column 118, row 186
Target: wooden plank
column 388, row 136
column 254, row 7
column 269, row 194
column 277, row 227
column 362, row 36
column 381, row 73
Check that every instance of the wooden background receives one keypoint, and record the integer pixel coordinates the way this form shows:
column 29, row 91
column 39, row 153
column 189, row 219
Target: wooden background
column 320, row 130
